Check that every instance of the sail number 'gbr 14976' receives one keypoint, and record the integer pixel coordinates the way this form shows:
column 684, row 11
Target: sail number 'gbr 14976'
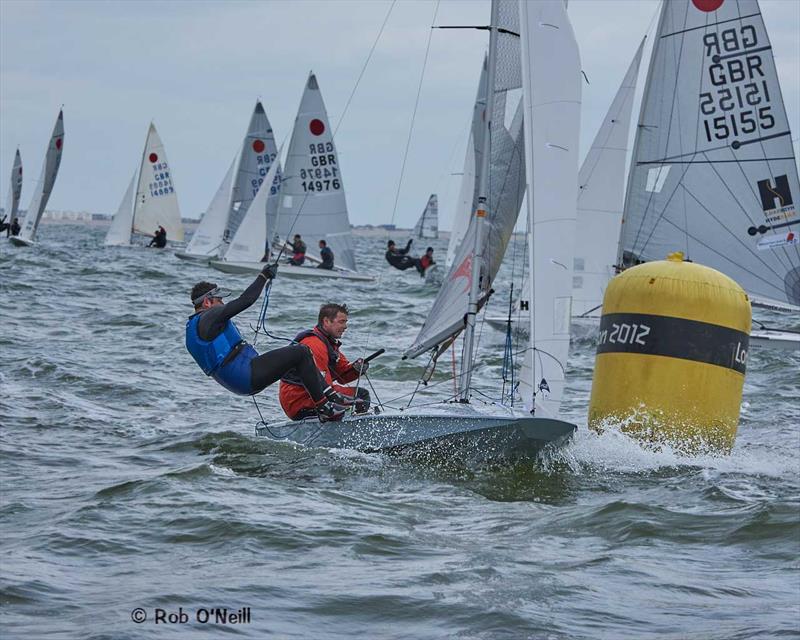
column 323, row 174
column 739, row 103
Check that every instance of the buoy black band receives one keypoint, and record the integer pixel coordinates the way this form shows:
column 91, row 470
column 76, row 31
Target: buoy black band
column 673, row 338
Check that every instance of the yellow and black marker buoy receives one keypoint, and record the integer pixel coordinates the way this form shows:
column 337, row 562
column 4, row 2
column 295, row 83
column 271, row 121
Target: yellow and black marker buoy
column 671, row 355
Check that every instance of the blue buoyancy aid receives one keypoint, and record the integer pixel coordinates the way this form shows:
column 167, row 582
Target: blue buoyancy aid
column 210, row 354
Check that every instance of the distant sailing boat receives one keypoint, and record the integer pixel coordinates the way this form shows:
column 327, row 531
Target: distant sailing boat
column 551, row 93
column 312, row 199
column 713, row 172
column 239, row 187
column 14, row 190
column 154, row 203
column 52, row 160
column 427, row 227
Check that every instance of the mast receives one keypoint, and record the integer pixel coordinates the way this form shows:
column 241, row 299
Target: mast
column 480, row 215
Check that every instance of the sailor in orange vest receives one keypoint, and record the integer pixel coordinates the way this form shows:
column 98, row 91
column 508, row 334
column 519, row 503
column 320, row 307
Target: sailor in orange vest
column 323, row 340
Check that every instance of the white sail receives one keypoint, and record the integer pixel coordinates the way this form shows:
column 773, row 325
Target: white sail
column 249, row 242
column 14, row 189
column 552, row 98
column 156, row 201
column 713, row 172
column 312, row 199
column 506, row 187
column 47, row 179
column 601, row 195
column 256, row 157
column 427, row 226
column 119, row 233
column 466, row 203
column 207, row 239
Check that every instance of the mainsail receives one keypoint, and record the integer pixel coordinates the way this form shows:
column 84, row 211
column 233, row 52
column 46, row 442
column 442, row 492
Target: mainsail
column 256, row 157
column 713, row 172
column 156, row 201
column 47, row 179
column 119, row 233
column 427, row 226
column 312, row 199
column 467, row 195
column 552, row 100
column 506, row 187
column 601, row 194
column 208, row 238
column 14, row 189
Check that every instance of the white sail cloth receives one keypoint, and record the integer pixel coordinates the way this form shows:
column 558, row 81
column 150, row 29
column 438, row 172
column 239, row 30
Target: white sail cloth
column 506, row 187
column 119, row 233
column 156, row 200
column 552, row 100
column 207, row 239
column 47, row 179
column 248, row 244
column 713, row 172
column 312, row 201
column 601, row 195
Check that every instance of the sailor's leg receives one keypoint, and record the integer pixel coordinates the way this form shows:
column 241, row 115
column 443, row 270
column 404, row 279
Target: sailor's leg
column 268, row 368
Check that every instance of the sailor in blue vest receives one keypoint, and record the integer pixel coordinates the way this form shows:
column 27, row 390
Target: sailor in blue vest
column 219, row 349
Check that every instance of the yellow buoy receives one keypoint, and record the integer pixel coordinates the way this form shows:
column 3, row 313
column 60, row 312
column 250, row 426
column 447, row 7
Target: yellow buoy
column 671, row 354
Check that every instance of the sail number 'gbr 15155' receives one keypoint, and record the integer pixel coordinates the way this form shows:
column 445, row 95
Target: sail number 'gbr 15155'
column 739, row 101
column 323, row 174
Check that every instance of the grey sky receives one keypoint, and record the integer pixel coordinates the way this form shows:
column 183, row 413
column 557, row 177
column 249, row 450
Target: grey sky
column 196, row 69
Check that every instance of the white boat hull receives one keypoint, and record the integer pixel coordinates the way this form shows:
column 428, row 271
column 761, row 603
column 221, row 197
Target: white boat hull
column 194, row 257
column 454, row 432
column 20, row 242
column 286, row 270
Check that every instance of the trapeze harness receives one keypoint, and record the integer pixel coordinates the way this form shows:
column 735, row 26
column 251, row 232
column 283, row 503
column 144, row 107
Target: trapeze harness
column 226, row 358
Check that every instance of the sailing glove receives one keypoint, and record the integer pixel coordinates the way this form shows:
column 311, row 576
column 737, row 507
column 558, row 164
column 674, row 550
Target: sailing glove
column 360, row 366
column 270, row 271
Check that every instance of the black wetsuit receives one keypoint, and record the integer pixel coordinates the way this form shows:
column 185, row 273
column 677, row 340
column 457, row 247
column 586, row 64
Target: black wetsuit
column 268, row 367
column 327, row 258
column 399, row 259
column 159, row 239
column 15, row 228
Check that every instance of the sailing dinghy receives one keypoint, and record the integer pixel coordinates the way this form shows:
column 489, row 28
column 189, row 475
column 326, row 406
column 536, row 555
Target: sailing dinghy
column 52, row 161
column 312, row 199
column 154, row 202
column 239, row 187
column 494, row 431
column 14, row 190
column 427, row 227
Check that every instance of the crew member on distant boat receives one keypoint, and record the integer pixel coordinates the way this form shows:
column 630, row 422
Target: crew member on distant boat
column 159, row 238
column 219, row 349
column 324, row 342
column 15, row 228
column 399, row 258
column 326, row 254
column 299, row 249
column 425, row 261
